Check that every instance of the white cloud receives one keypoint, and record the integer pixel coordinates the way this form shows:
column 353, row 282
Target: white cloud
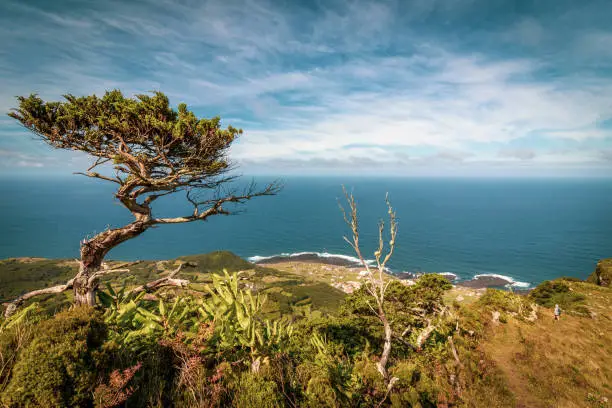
column 307, row 85
column 464, row 101
column 27, row 163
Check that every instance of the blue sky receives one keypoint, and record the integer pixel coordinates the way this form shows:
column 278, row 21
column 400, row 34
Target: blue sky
column 410, row 88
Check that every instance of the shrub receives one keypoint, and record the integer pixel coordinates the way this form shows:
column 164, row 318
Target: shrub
column 16, row 332
column 505, row 301
column 602, row 275
column 549, row 293
column 254, row 390
column 154, row 383
column 117, row 390
column 408, row 308
column 571, row 279
column 59, row 366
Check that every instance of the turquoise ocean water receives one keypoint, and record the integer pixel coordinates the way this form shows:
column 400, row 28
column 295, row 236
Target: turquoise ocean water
column 526, row 229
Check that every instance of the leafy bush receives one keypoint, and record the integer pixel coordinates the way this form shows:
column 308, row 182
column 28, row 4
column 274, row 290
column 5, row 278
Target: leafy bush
column 504, row 301
column 550, row 293
column 254, row 390
column 571, row 279
column 236, row 314
column 16, row 332
column 409, row 309
column 59, row 366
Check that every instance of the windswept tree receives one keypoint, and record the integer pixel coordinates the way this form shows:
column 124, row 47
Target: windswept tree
column 150, row 151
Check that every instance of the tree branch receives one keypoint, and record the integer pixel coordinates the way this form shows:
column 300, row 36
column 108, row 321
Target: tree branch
column 99, row 161
column 99, row 176
column 106, row 271
column 11, row 307
column 454, row 351
column 424, row 335
column 216, row 206
column 162, row 282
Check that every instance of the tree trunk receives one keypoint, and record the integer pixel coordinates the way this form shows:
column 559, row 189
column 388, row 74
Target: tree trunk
column 382, row 364
column 92, row 254
column 84, row 286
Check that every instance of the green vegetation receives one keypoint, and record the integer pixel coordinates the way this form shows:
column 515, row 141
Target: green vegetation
column 551, row 293
column 19, row 275
column 565, row 363
column 259, row 336
column 602, row 275
column 59, row 365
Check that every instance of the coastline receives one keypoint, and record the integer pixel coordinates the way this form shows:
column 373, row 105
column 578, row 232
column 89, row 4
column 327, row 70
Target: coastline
column 351, row 264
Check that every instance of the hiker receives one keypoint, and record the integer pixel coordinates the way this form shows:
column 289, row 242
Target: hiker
column 557, row 312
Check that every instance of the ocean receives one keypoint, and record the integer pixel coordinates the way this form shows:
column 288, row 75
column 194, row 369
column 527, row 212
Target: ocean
column 527, row 230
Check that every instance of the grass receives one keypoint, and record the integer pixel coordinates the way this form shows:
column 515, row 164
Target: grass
column 551, row 293
column 20, row 275
column 557, row 363
column 286, row 289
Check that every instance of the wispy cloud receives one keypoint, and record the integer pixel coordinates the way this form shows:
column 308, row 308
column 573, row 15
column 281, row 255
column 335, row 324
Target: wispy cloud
column 411, row 83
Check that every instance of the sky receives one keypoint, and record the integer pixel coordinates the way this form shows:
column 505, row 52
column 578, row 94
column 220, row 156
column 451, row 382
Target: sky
column 404, row 88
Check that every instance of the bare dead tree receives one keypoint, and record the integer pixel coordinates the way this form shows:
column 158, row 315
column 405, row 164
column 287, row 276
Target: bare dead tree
column 377, row 282
column 153, row 150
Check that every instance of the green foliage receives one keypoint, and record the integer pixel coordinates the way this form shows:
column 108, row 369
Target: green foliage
column 252, row 390
column 197, row 349
column 408, row 308
column 59, row 366
column 237, row 317
column 136, row 323
column 550, row 293
column 21, row 317
column 505, row 301
column 545, row 292
column 146, row 124
column 15, row 334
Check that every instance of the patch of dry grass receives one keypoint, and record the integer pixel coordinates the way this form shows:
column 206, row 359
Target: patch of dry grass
column 558, row 363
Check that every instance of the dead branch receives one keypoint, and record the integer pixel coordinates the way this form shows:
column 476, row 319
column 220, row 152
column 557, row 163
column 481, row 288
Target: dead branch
column 11, row 307
column 106, row 270
column 99, row 176
column 162, row 282
column 215, row 206
column 454, row 351
column 424, row 335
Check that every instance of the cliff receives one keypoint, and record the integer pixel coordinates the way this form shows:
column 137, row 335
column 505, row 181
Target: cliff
column 602, row 275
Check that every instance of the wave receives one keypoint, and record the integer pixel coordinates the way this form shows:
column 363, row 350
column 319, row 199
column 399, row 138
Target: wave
column 414, row 275
column 351, row 261
column 509, row 280
column 449, row 275
column 311, row 256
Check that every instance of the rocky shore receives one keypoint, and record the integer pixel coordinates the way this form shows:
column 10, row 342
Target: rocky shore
column 347, row 275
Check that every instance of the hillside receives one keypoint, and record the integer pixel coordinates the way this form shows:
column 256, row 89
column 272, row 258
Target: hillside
column 602, row 275
column 284, row 289
column 506, row 352
column 565, row 363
